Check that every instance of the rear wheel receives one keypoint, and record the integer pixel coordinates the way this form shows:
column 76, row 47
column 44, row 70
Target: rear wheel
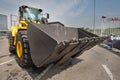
column 11, row 44
column 23, row 50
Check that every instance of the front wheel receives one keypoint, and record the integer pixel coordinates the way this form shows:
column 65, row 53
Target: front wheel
column 23, row 51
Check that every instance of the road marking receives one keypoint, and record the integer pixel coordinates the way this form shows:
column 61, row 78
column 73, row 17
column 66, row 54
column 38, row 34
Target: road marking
column 9, row 53
column 6, row 62
column 108, row 71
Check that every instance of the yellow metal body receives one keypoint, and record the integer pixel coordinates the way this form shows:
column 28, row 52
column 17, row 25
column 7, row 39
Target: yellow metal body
column 21, row 26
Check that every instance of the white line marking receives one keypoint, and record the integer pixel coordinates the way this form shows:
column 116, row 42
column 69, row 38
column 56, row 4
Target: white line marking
column 6, row 62
column 9, row 53
column 108, row 71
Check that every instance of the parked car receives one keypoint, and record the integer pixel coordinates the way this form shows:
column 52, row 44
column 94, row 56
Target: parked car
column 114, row 41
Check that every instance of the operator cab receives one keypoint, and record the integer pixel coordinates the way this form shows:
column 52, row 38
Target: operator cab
column 32, row 14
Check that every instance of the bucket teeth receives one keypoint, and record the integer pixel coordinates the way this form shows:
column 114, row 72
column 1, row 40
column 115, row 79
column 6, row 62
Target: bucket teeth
column 74, row 50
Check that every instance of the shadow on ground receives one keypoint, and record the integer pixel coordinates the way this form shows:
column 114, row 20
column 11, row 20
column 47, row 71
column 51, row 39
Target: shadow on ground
column 35, row 72
column 1, row 56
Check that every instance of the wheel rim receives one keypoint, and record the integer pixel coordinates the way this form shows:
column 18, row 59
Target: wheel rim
column 19, row 49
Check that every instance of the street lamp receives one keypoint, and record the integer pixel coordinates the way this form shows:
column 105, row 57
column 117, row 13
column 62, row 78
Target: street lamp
column 94, row 16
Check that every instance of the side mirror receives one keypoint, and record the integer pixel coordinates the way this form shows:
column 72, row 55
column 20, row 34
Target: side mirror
column 48, row 16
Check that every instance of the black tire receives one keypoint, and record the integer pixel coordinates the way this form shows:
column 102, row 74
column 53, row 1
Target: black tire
column 11, row 44
column 25, row 60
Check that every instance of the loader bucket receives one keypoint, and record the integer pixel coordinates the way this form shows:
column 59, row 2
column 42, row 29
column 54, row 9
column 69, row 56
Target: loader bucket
column 53, row 42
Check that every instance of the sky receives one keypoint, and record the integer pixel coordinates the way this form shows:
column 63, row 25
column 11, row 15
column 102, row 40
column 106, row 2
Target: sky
column 74, row 13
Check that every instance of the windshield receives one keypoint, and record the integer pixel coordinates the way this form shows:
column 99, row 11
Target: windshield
column 31, row 14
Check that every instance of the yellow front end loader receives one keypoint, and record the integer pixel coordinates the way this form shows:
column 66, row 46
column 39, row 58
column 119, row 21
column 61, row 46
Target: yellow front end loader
column 37, row 42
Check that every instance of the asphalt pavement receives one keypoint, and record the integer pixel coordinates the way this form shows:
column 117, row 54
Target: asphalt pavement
column 98, row 63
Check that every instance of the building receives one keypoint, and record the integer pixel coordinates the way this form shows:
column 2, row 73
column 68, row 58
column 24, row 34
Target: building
column 3, row 22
